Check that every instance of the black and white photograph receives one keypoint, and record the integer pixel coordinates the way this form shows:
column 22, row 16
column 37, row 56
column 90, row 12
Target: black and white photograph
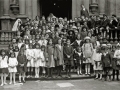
column 59, row 44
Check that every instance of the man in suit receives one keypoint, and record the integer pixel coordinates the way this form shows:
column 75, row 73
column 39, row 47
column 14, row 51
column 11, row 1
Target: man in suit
column 84, row 11
column 113, row 22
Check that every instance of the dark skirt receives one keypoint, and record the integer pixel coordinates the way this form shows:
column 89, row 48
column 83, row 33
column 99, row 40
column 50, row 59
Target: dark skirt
column 69, row 62
column 22, row 69
column 4, row 70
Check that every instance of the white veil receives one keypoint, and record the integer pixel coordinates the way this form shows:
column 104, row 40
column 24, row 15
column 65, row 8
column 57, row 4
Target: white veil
column 16, row 25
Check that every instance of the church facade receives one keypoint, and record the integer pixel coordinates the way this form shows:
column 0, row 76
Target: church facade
column 12, row 9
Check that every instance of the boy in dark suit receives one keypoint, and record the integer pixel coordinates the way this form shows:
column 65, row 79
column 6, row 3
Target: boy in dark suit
column 68, row 57
column 106, row 62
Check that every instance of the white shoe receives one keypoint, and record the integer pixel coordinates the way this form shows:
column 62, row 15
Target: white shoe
column 14, row 83
column 78, row 72
column 2, row 84
column 10, row 83
column 5, row 83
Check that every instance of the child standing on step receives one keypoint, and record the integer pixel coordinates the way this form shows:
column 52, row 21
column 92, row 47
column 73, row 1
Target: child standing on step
column 42, row 61
column 22, row 63
column 37, row 59
column 12, row 62
column 3, row 67
column 30, row 60
column 78, row 58
column 106, row 62
column 97, row 66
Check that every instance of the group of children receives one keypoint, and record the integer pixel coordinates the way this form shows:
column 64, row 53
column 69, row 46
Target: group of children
column 56, row 45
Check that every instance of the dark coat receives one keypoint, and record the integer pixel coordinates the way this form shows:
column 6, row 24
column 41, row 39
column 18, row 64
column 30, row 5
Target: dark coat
column 113, row 24
column 85, row 13
column 106, row 60
column 68, row 51
column 22, row 60
column 75, row 44
column 78, row 58
column 105, row 23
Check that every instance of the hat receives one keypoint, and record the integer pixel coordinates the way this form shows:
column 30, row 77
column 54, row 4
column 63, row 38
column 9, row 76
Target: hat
column 74, row 27
column 109, row 44
column 118, row 45
column 87, row 38
column 103, row 45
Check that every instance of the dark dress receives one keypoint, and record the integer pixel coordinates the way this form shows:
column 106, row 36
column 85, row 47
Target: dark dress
column 22, row 60
column 68, row 51
column 78, row 58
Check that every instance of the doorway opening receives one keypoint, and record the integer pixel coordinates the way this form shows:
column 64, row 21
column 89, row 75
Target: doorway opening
column 59, row 8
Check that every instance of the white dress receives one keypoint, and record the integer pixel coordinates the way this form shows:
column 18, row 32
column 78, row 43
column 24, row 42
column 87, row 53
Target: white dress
column 30, row 57
column 37, row 57
column 3, row 61
column 42, row 60
column 97, row 61
column 12, row 62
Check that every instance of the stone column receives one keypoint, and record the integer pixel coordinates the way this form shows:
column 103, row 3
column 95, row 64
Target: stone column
column 5, row 19
column 22, row 9
column 112, row 7
column 29, row 8
column 34, row 8
column 74, row 14
column 6, row 7
column 78, row 4
column 101, row 7
column 118, row 8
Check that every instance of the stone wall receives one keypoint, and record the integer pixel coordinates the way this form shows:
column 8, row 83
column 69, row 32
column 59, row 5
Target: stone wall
column 31, row 8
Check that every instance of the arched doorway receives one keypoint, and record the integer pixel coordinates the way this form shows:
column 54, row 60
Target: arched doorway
column 60, row 8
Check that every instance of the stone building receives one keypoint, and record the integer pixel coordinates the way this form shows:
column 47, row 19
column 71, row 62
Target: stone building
column 12, row 9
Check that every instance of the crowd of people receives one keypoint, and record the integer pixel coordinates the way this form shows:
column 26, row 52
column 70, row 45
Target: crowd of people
column 52, row 45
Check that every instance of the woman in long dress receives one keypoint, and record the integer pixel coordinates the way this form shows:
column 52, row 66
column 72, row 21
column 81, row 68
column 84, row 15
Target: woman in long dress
column 16, row 25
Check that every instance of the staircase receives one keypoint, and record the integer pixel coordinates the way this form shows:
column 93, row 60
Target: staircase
column 6, row 36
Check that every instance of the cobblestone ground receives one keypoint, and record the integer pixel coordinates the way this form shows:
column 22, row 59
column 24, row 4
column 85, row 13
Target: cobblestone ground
column 85, row 84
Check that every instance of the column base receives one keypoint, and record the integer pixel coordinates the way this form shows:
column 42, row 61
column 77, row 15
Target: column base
column 5, row 17
column 22, row 16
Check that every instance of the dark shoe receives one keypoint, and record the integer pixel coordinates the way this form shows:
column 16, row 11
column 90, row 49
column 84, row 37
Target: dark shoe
column 118, row 79
column 24, row 81
column 113, row 79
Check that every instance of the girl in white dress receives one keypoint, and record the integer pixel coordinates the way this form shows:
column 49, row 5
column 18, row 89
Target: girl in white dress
column 37, row 56
column 4, row 67
column 97, row 66
column 12, row 62
column 42, row 61
column 30, row 58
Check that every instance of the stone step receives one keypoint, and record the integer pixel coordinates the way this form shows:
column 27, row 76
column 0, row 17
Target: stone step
column 73, row 77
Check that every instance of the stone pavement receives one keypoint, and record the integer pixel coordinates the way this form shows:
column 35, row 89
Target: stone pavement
column 83, row 84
